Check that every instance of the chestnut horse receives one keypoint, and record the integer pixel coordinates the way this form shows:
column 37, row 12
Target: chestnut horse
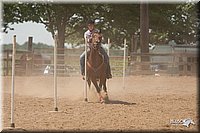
column 96, row 67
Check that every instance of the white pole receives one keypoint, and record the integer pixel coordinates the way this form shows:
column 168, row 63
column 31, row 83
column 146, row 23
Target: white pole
column 85, row 85
column 124, row 64
column 13, row 81
column 55, row 73
column 108, row 56
column 108, row 46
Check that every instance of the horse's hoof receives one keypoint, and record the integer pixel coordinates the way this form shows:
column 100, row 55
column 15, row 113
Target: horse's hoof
column 102, row 101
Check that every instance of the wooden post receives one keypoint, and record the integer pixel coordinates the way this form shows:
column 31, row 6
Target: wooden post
column 134, row 46
column 29, row 57
column 124, row 64
column 7, row 62
column 136, row 43
column 133, row 43
column 30, row 43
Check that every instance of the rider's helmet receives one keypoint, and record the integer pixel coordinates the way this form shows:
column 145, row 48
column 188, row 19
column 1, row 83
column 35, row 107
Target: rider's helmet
column 91, row 21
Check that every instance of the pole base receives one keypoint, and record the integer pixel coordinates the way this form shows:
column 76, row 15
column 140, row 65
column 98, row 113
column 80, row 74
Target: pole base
column 56, row 109
column 86, row 100
column 12, row 125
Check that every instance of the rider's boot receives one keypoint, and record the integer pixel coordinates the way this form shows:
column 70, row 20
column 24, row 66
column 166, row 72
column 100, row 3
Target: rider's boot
column 108, row 74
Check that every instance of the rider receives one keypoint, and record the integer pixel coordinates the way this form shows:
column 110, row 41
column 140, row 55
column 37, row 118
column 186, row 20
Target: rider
column 87, row 37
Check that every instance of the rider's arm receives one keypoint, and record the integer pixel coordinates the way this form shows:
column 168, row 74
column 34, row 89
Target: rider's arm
column 87, row 37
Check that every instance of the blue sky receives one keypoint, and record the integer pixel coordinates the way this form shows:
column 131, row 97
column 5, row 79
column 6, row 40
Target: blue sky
column 24, row 30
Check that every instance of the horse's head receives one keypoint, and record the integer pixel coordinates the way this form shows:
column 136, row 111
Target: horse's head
column 96, row 40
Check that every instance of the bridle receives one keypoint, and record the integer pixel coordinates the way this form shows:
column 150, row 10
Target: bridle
column 95, row 42
column 95, row 46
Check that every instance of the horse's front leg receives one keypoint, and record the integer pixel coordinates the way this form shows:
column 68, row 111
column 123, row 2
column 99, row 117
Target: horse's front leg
column 98, row 89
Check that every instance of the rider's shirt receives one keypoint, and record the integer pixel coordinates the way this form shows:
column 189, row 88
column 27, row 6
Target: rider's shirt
column 88, row 35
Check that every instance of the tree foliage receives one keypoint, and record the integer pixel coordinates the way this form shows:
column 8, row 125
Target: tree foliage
column 173, row 22
column 117, row 21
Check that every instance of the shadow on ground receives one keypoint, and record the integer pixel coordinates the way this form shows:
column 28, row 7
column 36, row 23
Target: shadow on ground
column 119, row 102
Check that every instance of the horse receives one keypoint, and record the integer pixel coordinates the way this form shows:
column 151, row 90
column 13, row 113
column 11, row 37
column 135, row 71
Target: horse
column 96, row 67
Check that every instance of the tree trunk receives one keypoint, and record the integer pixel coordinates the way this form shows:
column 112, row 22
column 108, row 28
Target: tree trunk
column 144, row 33
column 134, row 46
column 144, row 29
column 61, row 50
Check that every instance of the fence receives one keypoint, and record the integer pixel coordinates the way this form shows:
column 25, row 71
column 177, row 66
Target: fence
column 167, row 63
column 34, row 63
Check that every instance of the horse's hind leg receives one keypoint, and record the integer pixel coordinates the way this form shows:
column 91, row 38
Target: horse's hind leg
column 106, row 99
column 100, row 84
column 89, row 82
column 104, row 85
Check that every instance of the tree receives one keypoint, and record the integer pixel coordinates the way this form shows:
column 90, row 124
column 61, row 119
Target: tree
column 166, row 22
column 173, row 22
column 117, row 21
column 111, row 20
column 144, row 29
column 54, row 16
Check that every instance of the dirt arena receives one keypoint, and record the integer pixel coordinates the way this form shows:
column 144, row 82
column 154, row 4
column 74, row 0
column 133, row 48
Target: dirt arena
column 146, row 103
